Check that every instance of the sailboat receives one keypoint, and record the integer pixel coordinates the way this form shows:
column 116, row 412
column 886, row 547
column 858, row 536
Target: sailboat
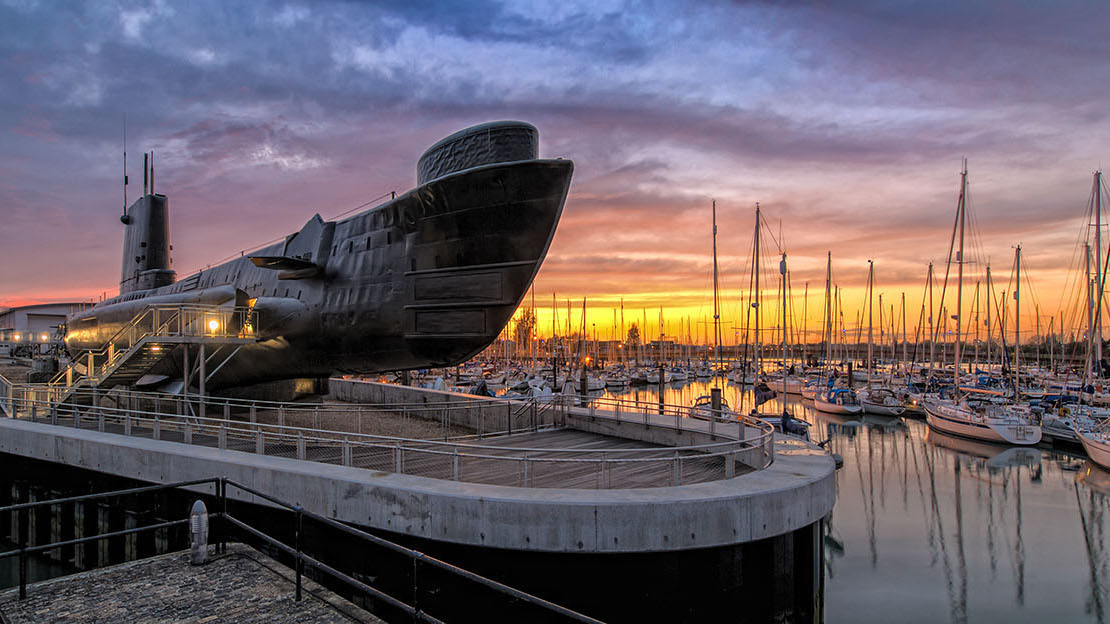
column 713, row 405
column 968, row 413
column 831, row 399
column 765, row 390
column 1090, row 422
column 876, row 399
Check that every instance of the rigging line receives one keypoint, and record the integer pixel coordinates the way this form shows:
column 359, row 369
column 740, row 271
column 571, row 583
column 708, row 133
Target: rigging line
column 763, row 219
column 378, row 198
column 246, row 250
column 961, row 205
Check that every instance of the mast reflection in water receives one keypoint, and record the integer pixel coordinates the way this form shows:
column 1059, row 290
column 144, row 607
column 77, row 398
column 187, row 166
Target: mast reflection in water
column 932, row 528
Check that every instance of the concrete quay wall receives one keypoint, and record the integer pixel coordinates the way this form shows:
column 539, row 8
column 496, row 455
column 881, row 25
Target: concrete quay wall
column 796, row 491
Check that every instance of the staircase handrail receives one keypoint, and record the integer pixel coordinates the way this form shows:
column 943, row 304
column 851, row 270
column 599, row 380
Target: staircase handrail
column 110, row 347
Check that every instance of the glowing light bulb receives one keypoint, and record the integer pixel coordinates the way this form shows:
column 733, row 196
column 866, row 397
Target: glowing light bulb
column 213, row 325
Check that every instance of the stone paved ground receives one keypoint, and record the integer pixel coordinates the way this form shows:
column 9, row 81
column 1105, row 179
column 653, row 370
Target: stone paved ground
column 243, row 586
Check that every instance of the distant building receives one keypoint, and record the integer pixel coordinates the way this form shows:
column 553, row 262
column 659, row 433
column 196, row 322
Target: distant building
column 34, row 323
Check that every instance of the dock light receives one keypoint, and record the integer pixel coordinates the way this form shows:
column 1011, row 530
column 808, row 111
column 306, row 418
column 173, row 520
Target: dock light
column 213, row 325
column 45, row 337
column 155, row 347
column 16, row 338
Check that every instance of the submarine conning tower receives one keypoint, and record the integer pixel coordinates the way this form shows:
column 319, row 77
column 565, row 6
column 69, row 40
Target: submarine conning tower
column 483, row 144
column 146, row 241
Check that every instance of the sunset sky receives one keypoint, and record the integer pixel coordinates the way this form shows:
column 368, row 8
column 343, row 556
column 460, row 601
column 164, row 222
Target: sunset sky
column 847, row 122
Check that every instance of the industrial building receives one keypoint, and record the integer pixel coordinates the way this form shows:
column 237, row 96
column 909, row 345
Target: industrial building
column 34, row 323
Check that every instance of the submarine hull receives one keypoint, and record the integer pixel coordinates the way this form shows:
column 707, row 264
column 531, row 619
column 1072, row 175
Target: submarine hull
column 427, row 279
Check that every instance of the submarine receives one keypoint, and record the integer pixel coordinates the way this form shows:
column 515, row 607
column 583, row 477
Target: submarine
column 426, row 279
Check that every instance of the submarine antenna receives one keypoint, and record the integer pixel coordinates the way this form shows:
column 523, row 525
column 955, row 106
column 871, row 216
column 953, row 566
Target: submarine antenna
column 151, row 172
column 125, row 164
column 145, row 165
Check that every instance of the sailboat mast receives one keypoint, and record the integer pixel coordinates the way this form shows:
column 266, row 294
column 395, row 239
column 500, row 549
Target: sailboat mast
column 932, row 331
column 805, row 324
column 1017, row 316
column 782, row 273
column 960, row 275
column 758, row 298
column 990, row 328
column 1098, row 269
column 716, row 298
column 905, row 359
column 1090, row 313
column 870, row 306
column 828, row 311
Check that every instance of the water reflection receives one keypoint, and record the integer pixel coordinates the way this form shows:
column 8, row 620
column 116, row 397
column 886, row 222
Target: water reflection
column 939, row 528
column 932, row 528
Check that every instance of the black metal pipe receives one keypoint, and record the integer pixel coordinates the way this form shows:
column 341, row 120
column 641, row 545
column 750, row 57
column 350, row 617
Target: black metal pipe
column 88, row 497
column 375, row 593
column 30, row 550
column 300, row 561
column 417, row 555
column 22, row 552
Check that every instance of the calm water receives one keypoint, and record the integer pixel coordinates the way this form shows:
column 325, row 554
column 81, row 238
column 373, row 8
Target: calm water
column 931, row 528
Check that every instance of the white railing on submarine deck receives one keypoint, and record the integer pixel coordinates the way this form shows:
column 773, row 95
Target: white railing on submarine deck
column 263, row 428
column 159, row 320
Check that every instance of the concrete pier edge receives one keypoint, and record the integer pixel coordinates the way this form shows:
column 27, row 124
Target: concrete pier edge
column 794, row 492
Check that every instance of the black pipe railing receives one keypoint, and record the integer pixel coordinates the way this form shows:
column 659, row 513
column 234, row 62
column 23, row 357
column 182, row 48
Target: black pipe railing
column 23, row 509
column 296, row 551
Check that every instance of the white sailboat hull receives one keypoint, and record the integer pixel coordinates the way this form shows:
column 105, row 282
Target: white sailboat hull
column 882, row 410
column 1097, row 448
column 946, row 419
column 835, row 408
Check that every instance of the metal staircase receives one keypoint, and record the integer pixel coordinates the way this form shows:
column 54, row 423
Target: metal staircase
column 148, row 339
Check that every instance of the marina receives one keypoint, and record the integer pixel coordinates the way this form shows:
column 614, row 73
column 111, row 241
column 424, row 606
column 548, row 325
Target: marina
column 771, row 313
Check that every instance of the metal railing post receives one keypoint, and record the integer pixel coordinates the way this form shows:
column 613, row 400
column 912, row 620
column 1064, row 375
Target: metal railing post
column 300, row 561
column 127, row 423
column 675, row 476
column 157, row 427
column 222, row 488
column 259, row 442
column 23, row 533
column 281, row 416
column 455, row 465
column 300, row 445
column 254, row 413
column 222, row 437
column 397, row 464
column 346, row 452
column 188, row 432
